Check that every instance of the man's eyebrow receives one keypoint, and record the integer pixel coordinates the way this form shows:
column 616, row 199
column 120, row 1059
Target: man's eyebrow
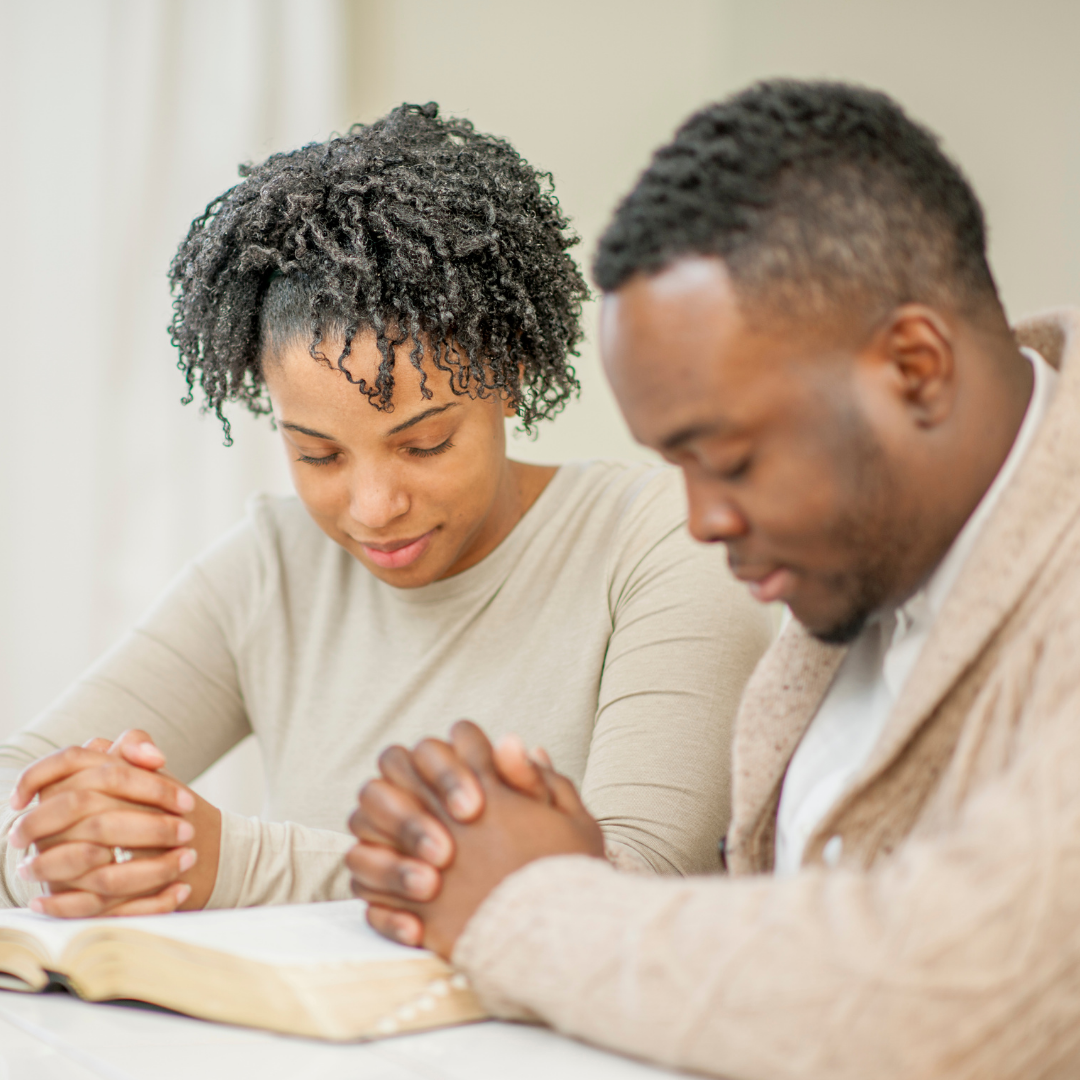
column 692, row 432
column 433, row 411
column 306, row 431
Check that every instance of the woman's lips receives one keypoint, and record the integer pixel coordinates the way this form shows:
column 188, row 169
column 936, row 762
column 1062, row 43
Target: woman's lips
column 396, row 556
column 775, row 585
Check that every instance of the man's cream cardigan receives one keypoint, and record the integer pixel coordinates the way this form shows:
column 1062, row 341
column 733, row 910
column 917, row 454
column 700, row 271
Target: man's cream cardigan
column 947, row 941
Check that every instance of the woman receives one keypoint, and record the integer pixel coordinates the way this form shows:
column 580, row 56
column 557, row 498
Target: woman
column 390, row 297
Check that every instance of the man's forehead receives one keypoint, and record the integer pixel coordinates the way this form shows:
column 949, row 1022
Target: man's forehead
column 669, row 343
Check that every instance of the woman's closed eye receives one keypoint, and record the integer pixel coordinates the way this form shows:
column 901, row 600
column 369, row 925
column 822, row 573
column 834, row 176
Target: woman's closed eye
column 421, row 452
column 318, row 460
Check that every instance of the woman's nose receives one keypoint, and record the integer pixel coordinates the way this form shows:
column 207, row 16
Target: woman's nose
column 376, row 500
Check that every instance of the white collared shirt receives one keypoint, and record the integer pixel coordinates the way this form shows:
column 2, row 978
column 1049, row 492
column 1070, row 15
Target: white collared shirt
column 852, row 716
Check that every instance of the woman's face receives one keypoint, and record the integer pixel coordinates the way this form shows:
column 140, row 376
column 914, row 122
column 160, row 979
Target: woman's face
column 416, row 494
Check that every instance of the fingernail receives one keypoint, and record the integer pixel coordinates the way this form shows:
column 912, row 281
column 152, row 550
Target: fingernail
column 182, row 893
column 417, row 882
column 15, row 801
column 23, row 869
column 461, row 803
column 405, row 932
column 431, row 851
column 185, row 831
column 187, row 859
column 185, row 800
column 37, row 904
column 149, row 750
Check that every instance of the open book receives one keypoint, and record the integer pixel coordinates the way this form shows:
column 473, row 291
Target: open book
column 307, row 969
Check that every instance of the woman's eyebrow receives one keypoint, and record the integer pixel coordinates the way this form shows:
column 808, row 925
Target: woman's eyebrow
column 306, row 431
column 433, row 411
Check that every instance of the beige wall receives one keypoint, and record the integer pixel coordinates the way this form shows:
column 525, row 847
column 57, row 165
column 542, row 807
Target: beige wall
column 587, row 88
column 583, row 88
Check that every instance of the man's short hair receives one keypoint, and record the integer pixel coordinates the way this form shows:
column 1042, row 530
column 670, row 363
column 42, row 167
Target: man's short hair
column 818, row 196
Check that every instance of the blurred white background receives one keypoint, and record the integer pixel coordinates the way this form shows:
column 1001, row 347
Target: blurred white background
column 121, row 119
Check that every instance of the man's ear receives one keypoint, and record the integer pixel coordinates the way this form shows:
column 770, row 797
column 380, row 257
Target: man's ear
column 915, row 343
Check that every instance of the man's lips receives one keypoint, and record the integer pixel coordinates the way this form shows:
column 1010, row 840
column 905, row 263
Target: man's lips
column 775, row 585
column 397, row 553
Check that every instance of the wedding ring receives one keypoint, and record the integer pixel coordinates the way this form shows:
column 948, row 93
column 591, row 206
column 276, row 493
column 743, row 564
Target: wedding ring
column 122, row 855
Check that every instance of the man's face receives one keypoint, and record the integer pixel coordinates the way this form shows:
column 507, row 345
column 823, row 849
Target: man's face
column 772, row 429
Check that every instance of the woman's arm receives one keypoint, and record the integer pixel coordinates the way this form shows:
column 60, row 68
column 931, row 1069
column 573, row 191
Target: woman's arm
column 686, row 636
column 174, row 678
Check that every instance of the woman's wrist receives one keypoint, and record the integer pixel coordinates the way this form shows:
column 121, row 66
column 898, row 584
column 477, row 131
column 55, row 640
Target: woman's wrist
column 202, row 877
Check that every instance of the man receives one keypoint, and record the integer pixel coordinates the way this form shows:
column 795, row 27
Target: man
column 799, row 313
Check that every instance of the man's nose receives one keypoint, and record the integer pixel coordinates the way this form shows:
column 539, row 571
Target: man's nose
column 376, row 499
column 713, row 517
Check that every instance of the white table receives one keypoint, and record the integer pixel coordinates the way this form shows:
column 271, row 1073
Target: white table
column 57, row 1037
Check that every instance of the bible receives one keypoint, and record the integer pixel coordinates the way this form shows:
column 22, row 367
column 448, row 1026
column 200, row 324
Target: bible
column 307, row 969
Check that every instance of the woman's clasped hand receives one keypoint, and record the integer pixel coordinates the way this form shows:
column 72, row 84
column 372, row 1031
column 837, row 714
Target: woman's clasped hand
column 105, row 798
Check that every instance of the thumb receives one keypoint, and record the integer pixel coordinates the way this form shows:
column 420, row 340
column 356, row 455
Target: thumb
column 563, row 793
column 137, row 748
column 517, row 768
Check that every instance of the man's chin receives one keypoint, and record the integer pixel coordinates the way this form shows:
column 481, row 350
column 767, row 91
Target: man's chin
column 834, row 631
column 842, row 633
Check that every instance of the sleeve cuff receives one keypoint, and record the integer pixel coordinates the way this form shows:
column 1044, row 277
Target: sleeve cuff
column 270, row 862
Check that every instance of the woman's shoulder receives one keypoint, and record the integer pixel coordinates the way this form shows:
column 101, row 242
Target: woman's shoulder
column 275, row 536
column 624, row 495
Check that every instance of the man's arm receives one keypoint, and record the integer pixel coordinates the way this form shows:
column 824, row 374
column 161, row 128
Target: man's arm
column 957, row 956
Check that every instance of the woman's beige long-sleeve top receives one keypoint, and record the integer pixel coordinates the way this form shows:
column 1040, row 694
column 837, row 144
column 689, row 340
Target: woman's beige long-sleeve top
column 946, row 943
column 598, row 629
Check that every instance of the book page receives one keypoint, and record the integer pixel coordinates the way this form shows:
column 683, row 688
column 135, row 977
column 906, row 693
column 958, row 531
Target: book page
column 52, row 934
column 293, row 934
column 331, row 932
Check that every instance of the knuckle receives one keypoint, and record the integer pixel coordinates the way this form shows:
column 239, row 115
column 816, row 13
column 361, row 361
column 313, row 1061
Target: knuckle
column 428, row 748
column 82, row 800
column 446, row 779
column 392, row 755
column 373, row 793
column 96, row 827
column 411, row 831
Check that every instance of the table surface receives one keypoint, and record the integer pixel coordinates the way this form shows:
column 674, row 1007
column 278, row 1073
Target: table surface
column 55, row 1036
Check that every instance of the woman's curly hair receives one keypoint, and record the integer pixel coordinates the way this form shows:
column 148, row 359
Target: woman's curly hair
column 415, row 227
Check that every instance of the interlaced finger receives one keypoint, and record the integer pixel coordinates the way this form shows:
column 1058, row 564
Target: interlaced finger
column 114, row 776
column 401, row 926
column 396, row 817
column 63, row 863
column 57, row 815
column 139, row 877
column 438, row 765
column 383, row 869
column 51, row 770
column 80, row 904
column 129, row 827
